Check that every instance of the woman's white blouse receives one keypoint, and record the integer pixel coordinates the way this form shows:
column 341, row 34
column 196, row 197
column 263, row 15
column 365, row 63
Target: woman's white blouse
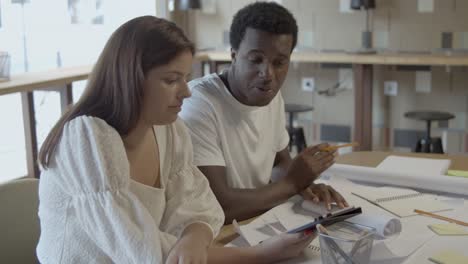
column 92, row 212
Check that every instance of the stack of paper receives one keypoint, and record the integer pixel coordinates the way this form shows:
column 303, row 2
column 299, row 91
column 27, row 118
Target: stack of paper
column 412, row 165
column 449, row 257
column 448, row 229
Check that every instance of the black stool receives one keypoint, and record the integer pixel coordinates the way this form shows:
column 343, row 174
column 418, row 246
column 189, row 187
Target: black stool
column 428, row 144
column 296, row 134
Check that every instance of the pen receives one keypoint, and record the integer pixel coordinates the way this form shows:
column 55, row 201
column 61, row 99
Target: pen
column 358, row 243
column 451, row 220
column 332, row 148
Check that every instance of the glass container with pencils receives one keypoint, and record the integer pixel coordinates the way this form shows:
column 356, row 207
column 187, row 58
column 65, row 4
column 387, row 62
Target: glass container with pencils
column 346, row 243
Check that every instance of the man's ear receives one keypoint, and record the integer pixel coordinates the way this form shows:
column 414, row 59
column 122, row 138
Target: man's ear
column 233, row 55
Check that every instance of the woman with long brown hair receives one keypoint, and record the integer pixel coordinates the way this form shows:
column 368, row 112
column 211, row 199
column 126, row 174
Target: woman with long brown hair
column 118, row 184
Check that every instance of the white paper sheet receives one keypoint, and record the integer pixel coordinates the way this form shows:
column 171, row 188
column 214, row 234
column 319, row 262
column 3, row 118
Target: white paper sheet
column 413, row 238
column 438, row 244
column 291, row 214
column 259, row 229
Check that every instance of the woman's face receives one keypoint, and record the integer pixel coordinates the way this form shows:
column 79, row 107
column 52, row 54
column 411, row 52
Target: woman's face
column 165, row 88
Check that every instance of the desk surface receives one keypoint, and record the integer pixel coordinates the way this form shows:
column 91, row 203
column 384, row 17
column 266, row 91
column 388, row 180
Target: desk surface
column 373, row 158
column 363, row 158
column 354, row 58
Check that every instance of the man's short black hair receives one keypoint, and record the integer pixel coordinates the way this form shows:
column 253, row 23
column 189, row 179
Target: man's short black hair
column 266, row 16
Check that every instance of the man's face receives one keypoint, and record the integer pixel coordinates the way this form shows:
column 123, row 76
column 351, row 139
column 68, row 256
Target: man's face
column 259, row 66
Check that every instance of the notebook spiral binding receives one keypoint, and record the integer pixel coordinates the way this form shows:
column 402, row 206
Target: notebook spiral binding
column 387, row 199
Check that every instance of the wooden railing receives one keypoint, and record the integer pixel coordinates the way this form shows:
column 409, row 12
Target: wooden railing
column 58, row 80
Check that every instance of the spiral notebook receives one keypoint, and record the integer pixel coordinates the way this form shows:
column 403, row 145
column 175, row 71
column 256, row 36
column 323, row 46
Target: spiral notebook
column 399, row 201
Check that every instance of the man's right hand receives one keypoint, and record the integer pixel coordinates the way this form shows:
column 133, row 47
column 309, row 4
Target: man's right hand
column 308, row 165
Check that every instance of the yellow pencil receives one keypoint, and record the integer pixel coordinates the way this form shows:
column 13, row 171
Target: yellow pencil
column 332, row 148
column 451, row 220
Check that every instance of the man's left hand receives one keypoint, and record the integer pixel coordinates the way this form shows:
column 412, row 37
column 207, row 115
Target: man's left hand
column 324, row 193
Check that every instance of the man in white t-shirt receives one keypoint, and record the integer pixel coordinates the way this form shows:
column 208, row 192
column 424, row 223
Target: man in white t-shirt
column 237, row 121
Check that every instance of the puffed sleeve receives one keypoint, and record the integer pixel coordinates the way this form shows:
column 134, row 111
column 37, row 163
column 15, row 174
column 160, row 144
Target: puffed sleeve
column 189, row 196
column 94, row 172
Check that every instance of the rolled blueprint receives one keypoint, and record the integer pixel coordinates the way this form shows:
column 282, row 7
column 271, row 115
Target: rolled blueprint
column 437, row 183
column 384, row 225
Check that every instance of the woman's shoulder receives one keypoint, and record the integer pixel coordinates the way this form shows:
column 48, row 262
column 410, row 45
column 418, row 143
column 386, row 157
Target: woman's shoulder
column 88, row 128
column 89, row 124
column 181, row 133
column 91, row 152
column 84, row 133
column 182, row 144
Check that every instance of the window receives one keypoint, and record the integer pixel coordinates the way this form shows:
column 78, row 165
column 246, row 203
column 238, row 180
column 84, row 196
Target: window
column 47, row 34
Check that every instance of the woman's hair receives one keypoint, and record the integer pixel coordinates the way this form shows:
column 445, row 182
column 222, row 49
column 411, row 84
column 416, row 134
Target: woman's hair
column 114, row 92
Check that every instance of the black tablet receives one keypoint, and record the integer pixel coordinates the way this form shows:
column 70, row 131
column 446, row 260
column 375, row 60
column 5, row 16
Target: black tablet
column 329, row 219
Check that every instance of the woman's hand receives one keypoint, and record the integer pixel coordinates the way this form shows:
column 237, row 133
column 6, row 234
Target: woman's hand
column 192, row 247
column 283, row 246
column 188, row 250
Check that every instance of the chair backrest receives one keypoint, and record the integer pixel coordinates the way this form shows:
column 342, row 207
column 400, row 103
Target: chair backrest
column 19, row 222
